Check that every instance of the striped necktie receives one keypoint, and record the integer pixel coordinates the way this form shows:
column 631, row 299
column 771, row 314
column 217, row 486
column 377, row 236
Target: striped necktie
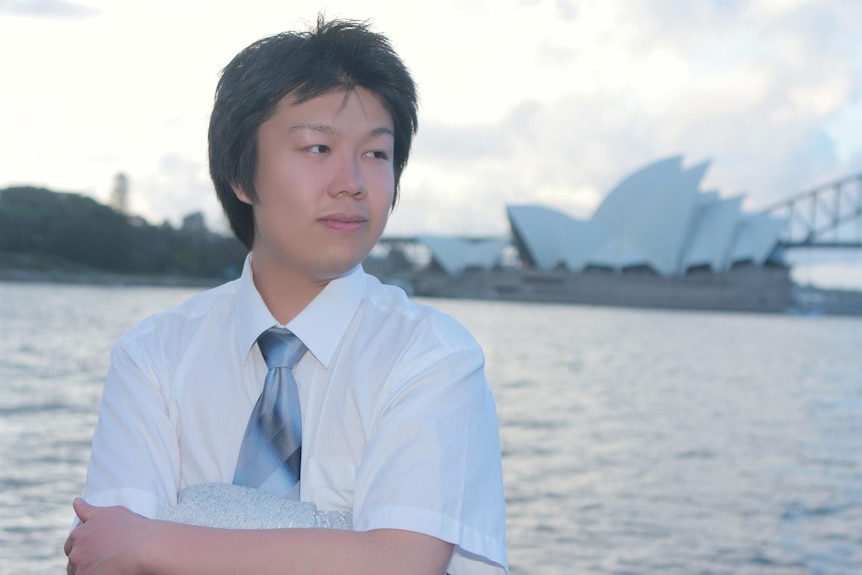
column 271, row 450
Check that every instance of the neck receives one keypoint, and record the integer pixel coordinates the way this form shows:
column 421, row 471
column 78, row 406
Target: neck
column 284, row 293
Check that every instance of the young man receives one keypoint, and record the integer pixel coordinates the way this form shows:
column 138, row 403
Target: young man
column 308, row 137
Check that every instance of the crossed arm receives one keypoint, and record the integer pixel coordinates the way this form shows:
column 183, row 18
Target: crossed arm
column 115, row 541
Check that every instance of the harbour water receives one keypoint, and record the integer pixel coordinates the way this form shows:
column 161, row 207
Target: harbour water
column 635, row 442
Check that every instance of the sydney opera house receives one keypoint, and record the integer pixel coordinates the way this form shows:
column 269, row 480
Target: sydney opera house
column 656, row 240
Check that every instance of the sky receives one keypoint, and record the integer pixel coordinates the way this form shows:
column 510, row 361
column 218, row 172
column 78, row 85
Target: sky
column 522, row 101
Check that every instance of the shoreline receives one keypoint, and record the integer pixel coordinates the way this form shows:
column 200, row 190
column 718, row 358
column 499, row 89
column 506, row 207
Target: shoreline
column 101, row 278
column 805, row 299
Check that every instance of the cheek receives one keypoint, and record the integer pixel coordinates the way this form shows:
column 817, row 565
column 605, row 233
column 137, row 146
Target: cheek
column 268, row 180
column 382, row 204
column 282, row 192
column 383, row 183
column 277, row 172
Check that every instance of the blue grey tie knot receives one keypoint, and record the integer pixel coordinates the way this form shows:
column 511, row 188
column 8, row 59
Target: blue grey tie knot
column 280, row 348
column 270, row 456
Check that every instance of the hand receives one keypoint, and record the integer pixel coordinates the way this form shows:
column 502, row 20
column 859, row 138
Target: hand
column 107, row 540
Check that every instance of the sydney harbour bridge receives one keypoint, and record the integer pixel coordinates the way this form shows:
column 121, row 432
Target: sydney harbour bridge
column 829, row 216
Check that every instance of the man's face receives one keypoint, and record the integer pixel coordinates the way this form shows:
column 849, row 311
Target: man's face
column 325, row 184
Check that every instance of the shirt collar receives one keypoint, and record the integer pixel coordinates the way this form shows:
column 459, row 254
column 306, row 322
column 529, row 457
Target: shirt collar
column 320, row 326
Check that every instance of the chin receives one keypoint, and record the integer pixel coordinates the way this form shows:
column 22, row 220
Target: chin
column 341, row 261
column 338, row 269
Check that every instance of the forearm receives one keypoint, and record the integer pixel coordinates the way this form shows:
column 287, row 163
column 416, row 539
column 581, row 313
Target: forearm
column 188, row 550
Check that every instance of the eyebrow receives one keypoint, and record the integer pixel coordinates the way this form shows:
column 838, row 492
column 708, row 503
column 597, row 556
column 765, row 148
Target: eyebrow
column 381, row 131
column 312, row 127
column 329, row 130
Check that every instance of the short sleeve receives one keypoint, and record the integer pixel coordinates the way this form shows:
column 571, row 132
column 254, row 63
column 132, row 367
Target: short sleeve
column 433, row 463
column 135, row 454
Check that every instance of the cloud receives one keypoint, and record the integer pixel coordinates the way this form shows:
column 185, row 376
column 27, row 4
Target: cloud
column 178, row 187
column 827, row 268
column 722, row 82
column 437, row 141
column 566, row 10
column 51, row 9
column 547, row 101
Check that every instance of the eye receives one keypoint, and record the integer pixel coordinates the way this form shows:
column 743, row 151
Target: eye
column 318, row 149
column 377, row 154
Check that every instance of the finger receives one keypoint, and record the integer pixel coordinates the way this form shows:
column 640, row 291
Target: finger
column 67, row 548
column 83, row 510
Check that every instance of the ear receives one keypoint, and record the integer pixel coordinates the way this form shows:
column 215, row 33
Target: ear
column 240, row 194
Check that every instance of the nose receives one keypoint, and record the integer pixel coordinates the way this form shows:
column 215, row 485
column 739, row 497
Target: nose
column 347, row 179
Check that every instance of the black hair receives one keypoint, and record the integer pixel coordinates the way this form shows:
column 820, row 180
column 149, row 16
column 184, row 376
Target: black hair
column 332, row 56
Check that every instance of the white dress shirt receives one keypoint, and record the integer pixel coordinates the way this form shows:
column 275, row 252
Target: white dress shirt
column 399, row 425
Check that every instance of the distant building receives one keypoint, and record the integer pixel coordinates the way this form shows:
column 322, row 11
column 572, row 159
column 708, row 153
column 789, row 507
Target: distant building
column 656, row 240
column 194, row 222
column 657, row 220
column 454, row 255
column 120, row 194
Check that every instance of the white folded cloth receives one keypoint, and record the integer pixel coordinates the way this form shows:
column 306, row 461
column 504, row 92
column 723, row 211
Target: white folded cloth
column 238, row 507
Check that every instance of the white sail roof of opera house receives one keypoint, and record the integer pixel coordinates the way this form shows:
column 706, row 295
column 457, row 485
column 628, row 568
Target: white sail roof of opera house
column 454, row 255
column 555, row 238
column 656, row 217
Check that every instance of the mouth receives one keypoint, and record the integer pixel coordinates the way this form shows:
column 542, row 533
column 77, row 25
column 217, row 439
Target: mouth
column 344, row 222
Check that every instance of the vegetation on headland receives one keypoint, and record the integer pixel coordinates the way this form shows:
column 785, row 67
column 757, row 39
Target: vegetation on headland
column 70, row 237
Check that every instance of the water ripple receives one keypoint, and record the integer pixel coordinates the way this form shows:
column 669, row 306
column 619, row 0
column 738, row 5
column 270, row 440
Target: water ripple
column 634, row 442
